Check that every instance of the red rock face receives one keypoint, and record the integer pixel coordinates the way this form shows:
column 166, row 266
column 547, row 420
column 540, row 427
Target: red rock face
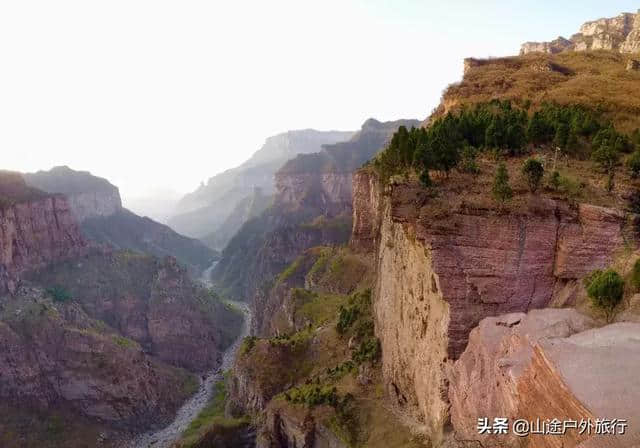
column 366, row 211
column 55, row 355
column 547, row 364
column 33, row 233
column 440, row 272
column 489, row 264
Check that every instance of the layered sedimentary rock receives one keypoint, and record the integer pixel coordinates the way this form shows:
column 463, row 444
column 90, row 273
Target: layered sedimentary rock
column 440, row 275
column 96, row 205
column 150, row 301
column 54, row 355
column 284, row 429
column 89, row 196
column 312, row 207
column 34, row 230
column 621, row 33
column 547, row 364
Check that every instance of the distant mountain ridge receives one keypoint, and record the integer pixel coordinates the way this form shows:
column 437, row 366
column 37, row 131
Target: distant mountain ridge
column 200, row 214
column 312, row 206
column 96, row 205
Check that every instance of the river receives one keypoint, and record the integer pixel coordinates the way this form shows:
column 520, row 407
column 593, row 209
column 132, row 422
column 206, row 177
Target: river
column 163, row 438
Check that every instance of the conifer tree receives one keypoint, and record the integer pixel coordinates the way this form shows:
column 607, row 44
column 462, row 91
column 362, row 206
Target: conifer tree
column 502, row 191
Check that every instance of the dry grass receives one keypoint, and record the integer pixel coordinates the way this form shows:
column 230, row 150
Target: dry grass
column 596, row 79
column 462, row 191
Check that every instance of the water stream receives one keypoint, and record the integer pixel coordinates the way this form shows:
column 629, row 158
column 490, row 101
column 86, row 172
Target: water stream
column 163, row 438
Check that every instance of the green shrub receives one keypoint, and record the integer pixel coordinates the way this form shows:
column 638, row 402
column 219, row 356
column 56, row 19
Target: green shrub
column 635, row 275
column 502, row 191
column 247, row 344
column 469, row 164
column 533, row 171
column 605, row 289
column 369, row 350
column 313, row 395
column 606, row 157
column 633, row 164
column 348, row 315
column 554, row 180
column 58, row 294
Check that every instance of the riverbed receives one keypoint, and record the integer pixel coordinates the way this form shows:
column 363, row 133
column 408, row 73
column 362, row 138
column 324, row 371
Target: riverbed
column 163, row 438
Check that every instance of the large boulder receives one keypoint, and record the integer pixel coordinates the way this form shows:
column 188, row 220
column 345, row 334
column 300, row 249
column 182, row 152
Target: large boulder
column 547, row 364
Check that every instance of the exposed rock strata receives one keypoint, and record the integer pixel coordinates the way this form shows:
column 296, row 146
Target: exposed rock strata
column 95, row 203
column 284, row 429
column 89, row 196
column 547, row 364
column 312, row 207
column 439, row 276
column 621, row 33
column 55, row 355
column 152, row 302
column 33, row 233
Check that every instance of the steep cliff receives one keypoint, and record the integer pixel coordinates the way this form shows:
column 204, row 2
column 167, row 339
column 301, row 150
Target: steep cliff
column 35, row 228
column 312, row 207
column 317, row 381
column 96, row 205
column 150, row 301
column 621, row 33
column 89, row 196
column 446, row 262
column 56, row 357
column 201, row 213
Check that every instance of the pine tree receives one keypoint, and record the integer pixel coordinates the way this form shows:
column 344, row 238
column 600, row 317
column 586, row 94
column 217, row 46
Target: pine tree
column 533, row 171
column 502, row 191
column 536, row 129
column 562, row 135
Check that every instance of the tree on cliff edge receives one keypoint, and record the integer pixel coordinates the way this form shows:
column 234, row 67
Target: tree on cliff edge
column 605, row 289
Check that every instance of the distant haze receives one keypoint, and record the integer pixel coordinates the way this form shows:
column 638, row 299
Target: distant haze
column 159, row 95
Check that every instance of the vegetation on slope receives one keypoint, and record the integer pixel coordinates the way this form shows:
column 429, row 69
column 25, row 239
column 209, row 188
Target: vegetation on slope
column 592, row 79
column 211, row 428
column 327, row 366
column 503, row 129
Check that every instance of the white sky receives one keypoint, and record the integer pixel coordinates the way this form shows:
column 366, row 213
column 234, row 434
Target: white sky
column 156, row 94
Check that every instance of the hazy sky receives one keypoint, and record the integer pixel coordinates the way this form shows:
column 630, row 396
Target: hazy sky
column 163, row 94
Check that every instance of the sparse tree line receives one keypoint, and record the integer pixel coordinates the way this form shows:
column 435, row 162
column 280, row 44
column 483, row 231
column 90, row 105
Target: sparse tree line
column 499, row 127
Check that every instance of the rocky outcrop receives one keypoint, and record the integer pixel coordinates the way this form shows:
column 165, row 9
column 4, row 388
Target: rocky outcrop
column 54, row 355
column 150, row 301
column 89, row 196
column 547, row 364
column 440, row 275
column 95, row 204
column 36, row 230
column 312, row 208
column 621, row 33
column 555, row 46
column 285, row 429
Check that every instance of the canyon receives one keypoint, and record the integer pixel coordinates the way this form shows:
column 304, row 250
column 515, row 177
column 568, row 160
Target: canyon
column 391, row 305
column 95, row 339
column 96, row 206
column 206, row 212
